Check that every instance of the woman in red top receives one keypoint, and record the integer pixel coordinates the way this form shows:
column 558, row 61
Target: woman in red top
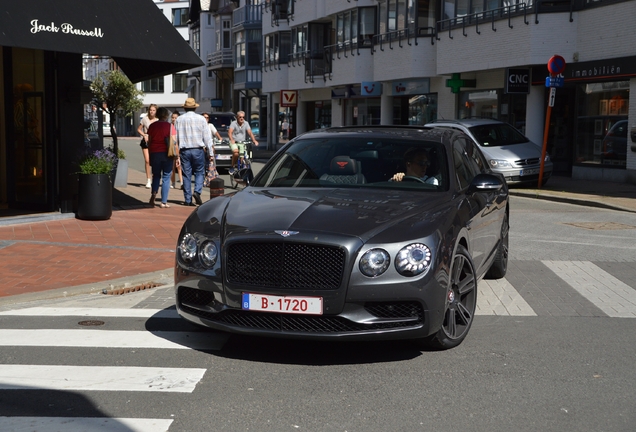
column 159, row 135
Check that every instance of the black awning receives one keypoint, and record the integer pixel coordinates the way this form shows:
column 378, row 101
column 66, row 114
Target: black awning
column 134, row 33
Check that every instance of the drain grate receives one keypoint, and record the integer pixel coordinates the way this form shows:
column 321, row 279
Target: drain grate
column 126, row 290
column 600, row 225
column 89, row 323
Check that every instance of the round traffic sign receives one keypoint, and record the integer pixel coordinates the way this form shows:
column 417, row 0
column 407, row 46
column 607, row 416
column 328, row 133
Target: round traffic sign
column 556, row 65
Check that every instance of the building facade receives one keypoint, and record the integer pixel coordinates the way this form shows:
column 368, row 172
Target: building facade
column 43, row 93
column 366, row 62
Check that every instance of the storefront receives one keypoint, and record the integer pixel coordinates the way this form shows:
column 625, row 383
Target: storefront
column 590, row 118
column 413, row 102
column 43, row 91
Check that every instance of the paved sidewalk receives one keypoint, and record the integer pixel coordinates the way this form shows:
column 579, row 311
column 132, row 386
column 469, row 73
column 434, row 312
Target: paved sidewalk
column 56, row 255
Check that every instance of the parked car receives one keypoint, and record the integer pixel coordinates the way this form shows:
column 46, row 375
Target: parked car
column 507, row 150
column 255, row 125
column 222, row 121
column 615, row 142
column 324, row 244
column 106, row 129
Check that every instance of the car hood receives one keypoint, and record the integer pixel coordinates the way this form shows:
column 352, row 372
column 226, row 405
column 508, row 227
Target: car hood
column 527, row 150
column 364, row 213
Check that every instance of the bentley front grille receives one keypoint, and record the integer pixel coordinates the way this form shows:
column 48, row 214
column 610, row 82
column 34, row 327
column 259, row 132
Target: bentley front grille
column 285, row 265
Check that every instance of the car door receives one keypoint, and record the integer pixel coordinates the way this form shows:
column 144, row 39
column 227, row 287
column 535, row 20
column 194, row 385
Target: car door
column 482, row 227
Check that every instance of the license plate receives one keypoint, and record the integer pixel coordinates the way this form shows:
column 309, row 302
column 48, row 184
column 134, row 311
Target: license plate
column 223, row 157
column 530, row 171
column 282, row 304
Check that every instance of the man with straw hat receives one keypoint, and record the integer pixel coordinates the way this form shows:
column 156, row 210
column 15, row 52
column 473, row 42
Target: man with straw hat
column 194, row 139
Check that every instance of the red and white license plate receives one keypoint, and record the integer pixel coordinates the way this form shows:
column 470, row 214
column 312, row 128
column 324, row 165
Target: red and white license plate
column 282, row 304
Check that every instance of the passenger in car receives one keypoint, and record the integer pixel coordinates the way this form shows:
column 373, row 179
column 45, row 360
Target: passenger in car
column 417, row 162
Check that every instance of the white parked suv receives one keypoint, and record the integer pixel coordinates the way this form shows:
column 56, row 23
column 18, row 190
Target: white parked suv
column 507, row 150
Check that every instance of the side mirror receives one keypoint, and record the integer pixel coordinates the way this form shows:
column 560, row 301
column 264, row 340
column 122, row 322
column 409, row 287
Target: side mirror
column 485, row 183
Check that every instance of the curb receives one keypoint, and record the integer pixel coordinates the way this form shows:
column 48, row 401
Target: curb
column 157, row 279
column 572, row 200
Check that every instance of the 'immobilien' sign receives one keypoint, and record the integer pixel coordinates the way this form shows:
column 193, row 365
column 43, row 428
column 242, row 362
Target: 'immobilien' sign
column 289, row 98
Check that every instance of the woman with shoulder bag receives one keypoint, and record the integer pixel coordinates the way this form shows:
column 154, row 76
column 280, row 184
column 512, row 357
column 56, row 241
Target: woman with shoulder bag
column 142, row 130
column 159, row 134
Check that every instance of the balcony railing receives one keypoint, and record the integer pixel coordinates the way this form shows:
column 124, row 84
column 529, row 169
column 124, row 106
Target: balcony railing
column 220, row 59
column 248, row 14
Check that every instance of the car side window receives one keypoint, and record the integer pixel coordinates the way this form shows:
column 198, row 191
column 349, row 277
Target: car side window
column 475, row 158
column 460, row 159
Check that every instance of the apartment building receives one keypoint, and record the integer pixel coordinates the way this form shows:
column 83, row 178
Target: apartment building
column 367, row 62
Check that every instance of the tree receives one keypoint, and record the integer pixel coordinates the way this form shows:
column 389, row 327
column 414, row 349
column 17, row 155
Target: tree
column 115, row 93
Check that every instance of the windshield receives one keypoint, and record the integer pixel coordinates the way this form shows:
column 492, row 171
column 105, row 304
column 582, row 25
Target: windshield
column 497, row 134
column 345, row 161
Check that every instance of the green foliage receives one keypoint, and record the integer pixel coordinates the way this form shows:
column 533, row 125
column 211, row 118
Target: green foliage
column 117, row 94
column 97, row 162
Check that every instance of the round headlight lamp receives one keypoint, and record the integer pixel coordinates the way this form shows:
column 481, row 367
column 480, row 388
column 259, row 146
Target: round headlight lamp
column 413, row 259
column 188, row 247
column 208, row 254
column 374, row 262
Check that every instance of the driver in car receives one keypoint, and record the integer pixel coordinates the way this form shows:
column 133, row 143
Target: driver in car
column 416, row 161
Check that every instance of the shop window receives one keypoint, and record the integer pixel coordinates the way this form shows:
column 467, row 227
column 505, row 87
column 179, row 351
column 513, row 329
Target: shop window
column 483, row 104
column 601, row 111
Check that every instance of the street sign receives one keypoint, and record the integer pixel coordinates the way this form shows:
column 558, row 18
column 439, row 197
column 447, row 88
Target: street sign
column 554, row 81
column 556, row 65
column 552, row 96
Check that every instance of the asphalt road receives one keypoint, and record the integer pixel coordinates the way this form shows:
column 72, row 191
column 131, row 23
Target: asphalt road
column 565, row 367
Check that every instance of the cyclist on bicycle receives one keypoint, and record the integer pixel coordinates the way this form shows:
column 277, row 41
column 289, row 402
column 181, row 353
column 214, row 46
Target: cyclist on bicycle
column 238, row 132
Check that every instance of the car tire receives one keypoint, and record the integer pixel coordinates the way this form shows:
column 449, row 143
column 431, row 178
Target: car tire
column 499, row 266
column 461, row 303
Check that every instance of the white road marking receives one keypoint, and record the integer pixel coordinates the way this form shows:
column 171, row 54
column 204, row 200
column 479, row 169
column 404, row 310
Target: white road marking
column 83, row 424
column 615, row 298
column 85, row 338
column 99, row 378
column 499, row 297
column 93, row 312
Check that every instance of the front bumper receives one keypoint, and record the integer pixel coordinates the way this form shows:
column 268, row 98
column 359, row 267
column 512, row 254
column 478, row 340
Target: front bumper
column 401, row 316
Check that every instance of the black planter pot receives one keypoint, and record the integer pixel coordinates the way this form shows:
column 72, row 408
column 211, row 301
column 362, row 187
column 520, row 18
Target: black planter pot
column 95, row 197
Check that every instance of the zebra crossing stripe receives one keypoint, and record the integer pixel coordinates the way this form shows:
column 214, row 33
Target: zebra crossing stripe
column 99, row 378
column 84, row 338
column 613, row 297
column 83, row 424
column 499, row 297
column 93, row 312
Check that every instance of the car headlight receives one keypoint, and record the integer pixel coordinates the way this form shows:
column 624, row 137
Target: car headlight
column 208, row 254
column 193, row 245
column 188, row 247
column 496, row 163
column 413, row 259
column 374, row 262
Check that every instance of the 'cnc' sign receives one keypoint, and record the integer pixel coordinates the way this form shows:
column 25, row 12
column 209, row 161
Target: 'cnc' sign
column 518, row 80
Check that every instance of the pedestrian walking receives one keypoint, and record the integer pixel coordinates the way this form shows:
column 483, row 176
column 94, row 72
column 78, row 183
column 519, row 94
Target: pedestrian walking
column 213, row 131
column 142, row 130
column 285, row 127
column 176, row 167
column 159, row 134
column 193, row 138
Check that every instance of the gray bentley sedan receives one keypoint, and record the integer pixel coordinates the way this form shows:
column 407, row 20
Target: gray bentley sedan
column 350, row 233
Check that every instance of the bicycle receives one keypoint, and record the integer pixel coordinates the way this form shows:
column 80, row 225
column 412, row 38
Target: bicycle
column 242, row 176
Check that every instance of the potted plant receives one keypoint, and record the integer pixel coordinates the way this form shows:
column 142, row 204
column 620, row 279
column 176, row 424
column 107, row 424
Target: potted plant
column 95, row 189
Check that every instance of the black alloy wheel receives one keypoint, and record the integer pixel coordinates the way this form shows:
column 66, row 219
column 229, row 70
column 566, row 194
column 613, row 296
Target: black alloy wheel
column 461, row 302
